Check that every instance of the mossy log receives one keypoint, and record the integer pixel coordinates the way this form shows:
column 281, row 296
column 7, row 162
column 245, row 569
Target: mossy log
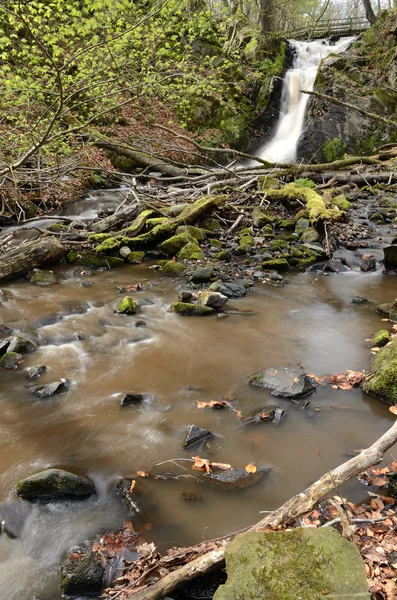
column 190, row 214
column 118, row 218
column 287, row 513
column 315, row 204
column 136, row 227
column 34, row 254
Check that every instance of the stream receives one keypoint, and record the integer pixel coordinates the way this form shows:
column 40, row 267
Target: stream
column 175, row 361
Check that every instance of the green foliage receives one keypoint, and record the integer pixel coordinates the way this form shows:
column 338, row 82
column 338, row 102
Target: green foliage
column 304, row 182
column 334, row 149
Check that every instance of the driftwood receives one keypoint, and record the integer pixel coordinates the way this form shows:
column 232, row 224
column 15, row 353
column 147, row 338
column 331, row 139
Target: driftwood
column 356, row 179
column 37, row 253
column 118, row 218
column 287, row 513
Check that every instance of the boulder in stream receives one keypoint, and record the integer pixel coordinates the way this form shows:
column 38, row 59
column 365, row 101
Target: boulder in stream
column 52, row 389
column 235, row 479
column 132, row 399
column 213, row 299
column 388, row 310
column 36, row 372
column 382, row 381
column 185, row 309
column 54, row 484
column 229, row 289
column 4, row 345
column 127, row 306
column 202, row 274
column 390, row 259
column 21, row 345
column 10, row 360
column 285, row 382
column 196, row 436
column 41, row 277
column 82, row 574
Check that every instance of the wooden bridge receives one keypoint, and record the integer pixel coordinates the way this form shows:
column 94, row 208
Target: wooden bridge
column 332, row 27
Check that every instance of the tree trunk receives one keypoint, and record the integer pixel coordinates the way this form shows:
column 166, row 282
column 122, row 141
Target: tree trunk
column 118, row 218
column 34, row 254
column 289, row 512
column 369, row 12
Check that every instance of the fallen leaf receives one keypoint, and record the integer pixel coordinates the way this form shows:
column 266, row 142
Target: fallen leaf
column 133, row 484
column 251, row 469
column 393, row 409
column 212, row 404
column 143, row 473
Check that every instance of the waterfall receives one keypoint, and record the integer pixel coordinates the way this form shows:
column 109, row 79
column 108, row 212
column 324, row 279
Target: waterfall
column 308, row 55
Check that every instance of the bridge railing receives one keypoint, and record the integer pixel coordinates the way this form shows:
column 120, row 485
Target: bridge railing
column 330, row 27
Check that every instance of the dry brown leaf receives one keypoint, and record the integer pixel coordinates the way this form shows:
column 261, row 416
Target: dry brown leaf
column 393, row 409
column 143, row 473
column 251, row 469
column 212, row 404
column 379, row 481
column 132, row 486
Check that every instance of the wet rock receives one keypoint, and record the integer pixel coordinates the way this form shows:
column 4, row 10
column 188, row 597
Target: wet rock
column 54, row 484
column 173, row 268
column 49, row 319
column 195, row 232
column 81, row 574
column 313, row 248
column 5, row 329
column 310, row 236
column 382, row 338
column 229, row 289
column 359, row 300
column 35, row 372
column 335, row 266
column 274, row 276
column 127, row 306
column 382, row 383
column 202, row 274
column 146, row 302
column 285, row 382
column 185, row 309
column 213, row 299
column 368, row 263
column 392, row 484
column 52, row 389
column 175, row 243
column 185, row 296
column 235, row 479
column 302, row 225
column 390, row 259
column 302, row 563
column 4, row 345
column 264, row 415
column 140, row 324
column 277, row 264
column 10, row 360
column 21, row 345
column 279, row 414
column 132, row 399
column 135, row 257
column 196, row 436
column 388, row 310
column 224, row 255
column 40, row 277
column 191, row 251
column 124, row 252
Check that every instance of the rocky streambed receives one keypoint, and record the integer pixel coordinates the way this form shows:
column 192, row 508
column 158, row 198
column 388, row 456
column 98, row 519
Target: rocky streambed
column 125, row 378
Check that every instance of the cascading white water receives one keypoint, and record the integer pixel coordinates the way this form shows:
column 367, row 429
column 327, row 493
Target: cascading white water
column 308, row 55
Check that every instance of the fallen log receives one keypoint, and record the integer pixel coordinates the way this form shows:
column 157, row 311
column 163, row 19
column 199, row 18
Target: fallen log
column 34, row 254
column 356, row 179
column 287, row 513
column 118, row 218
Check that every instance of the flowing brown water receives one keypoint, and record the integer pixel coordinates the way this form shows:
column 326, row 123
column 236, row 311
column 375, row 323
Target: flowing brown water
column 311, row 321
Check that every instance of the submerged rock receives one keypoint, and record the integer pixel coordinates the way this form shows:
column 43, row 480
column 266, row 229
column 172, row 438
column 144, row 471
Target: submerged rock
column 54, row 484
column 382, row 381
column 266, row 414
column 81, row 574
column 196, row 436
column 229, row 289
column 35, row 372
column 127, row 306
column 10, row 360
column 285, row 382
column 304, row 563
column 132, row 399
column 213, row 299
column 185, row 309
column 41, row 277
column 51, row 389
column 359, row 300
column 235, row 479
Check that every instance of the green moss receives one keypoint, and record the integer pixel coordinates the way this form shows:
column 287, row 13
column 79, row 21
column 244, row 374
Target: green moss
column 247, row 239
column 243, row 249
column 215, row 242
column 268, row 183
column 377, row 218
column 185, row 309
column 225, row 255
column 388, row 310
column 41, row 277
column 341, row 202
column 10, row 360
column 286, row 223
column 262, row 218
column 111, row 243
column 57, row 228
column 173, row 268
column 190, row 252
column 127, row 306
column 382, row 382
column 88, row 258
column 150, row 223
column 382, row 338
column 267, row 229
column 175, row 243
column 304, row 263
column 278, row 264
column 296, row 253
column 139, row 222
column 278, row 244
column 135, row 257
column 305, row 182
column 195, row 232
column 334, row 149
column 210, row 224
column 98, row 238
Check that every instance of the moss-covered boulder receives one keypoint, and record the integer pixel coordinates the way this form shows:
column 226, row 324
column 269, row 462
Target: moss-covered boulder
column 285, row 224
column 57, row 228
column 276, row 264
column 304, row 563
column 301, row 225
column 175, row 243
column 202, row 274
column 210, row 224
column 41, row 277
column 382, row 379
column 186, row 309
column 81, row 574
column 310, row 236
column 135, row 257
column 171, row 267
column 109, row 244
column 150, row 223
column 54, row 484
column 213, row 299
column 195, row 232
column 10, row 360
column 89, row 258
column 224, row 255
column 127, row 306
column 388, row 310
column 382, row 338
column 21, row 344
column 191, row 251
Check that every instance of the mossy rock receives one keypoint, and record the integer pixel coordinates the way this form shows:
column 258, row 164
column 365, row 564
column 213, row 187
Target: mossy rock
column 276, row 264
column 41, row 277
column 382, row 338
column 175, row 243
column 127, row 306
column 150, row 223
column 388, row 310
column 98, row 238
column 262, row 218
column 377, row 218
column 341, row 202
column 110, row 243
column 195, row 232
column 382, row 383
column 202, row 274
column 215, row 242
column 267, row 229
column 278, row 244
column 190, row 252
column 305, row 263
column 54, row 484
column 10, row 360
column 186, row 309
column 210, row 224
column 286, row 224
column 171, row 267
column 268, row 183
column 224, row 255
column 301, row 214
column 296, row 253
column 302, row 563
column 310, row 236
column 81, row 574
column 135, row 257
column 57, row 228
column 302, row 225
column 247, row 239
column 243, row 249
column 89, row 258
